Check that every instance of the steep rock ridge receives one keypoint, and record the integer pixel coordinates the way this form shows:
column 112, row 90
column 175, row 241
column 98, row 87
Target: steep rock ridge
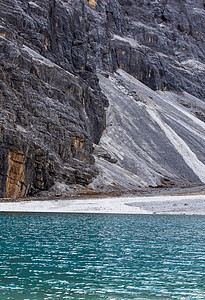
column 164, row 44
column 53, row 109
column 159, row 42
column 150, row 139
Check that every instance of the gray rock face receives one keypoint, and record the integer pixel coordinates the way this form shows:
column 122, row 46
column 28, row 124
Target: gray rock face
column 151, row 139
column 52, row 108
column 161, row 43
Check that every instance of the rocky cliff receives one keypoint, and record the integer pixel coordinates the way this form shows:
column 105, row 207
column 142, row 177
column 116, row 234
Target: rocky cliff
column 67, row 66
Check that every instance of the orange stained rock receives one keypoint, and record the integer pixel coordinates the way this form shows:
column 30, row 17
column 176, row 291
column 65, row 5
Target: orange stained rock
column 15, row 174
column 47, row 43
column 92, row 3
column 81, row 144
column 76, row 143
column 120, row 65
column 3, row 34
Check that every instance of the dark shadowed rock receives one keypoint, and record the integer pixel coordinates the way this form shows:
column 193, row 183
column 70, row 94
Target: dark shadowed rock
column 52, row 109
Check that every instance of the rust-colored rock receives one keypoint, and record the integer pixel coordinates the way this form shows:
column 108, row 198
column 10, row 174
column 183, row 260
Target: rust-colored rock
column 15, row 175
column 92, row 3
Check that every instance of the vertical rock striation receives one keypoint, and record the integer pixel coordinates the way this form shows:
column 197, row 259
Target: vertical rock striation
column 52, row 109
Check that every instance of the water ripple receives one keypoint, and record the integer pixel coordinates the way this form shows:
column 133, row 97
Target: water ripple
column 76, row 256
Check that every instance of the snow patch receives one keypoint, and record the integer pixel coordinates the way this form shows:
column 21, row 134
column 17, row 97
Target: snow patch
column 131, row 41
column 114, row 205
column 36, row 56
column 192, row 63
column 20, row 128
column 33, row 4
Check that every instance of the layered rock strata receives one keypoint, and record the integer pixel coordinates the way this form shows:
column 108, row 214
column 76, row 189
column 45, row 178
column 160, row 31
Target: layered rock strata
column 52, row 109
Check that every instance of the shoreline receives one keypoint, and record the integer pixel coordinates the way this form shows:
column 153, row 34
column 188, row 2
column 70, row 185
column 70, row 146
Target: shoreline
column 88, row 193
column 158, row 204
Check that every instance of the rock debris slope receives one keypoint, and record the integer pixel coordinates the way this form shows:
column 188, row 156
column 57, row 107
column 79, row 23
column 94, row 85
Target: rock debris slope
column 62, row 63
column 150, row 138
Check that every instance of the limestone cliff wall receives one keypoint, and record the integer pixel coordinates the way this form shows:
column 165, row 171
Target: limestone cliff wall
column 52, row 109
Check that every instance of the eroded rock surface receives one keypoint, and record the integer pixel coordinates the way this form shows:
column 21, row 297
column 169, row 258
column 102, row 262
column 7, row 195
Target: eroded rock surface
column 151, row 139
column 52, row 108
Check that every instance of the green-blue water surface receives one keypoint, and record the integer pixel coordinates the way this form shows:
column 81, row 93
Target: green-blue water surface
column 95, row 256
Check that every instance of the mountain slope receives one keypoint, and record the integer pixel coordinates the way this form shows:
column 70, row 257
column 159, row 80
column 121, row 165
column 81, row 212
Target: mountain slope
column 61, row 67
column 151, row 139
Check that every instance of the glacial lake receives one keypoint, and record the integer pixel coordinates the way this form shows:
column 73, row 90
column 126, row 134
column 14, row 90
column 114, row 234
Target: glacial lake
column 96, row 256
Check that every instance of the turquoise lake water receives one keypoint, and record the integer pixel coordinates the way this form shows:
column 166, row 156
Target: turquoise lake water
column 95, row 256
